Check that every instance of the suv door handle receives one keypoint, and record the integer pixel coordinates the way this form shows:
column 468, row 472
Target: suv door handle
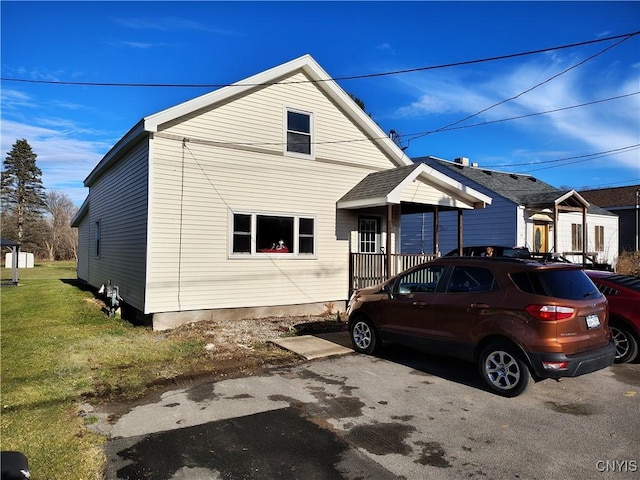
column 479, row 305
column 420, row 304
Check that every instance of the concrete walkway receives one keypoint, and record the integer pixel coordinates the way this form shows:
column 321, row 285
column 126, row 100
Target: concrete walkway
column 311, row 347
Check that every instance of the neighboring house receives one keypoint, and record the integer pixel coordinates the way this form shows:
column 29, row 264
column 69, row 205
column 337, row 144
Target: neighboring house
column 250, row 201
column 525, row 212
column 625, row 203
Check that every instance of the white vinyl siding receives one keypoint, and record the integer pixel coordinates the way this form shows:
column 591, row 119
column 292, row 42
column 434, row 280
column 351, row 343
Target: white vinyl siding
column 257, row 121
column 118, row 201
column 191, row 231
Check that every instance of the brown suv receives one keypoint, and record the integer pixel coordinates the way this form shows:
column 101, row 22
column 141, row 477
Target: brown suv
column 516, row 318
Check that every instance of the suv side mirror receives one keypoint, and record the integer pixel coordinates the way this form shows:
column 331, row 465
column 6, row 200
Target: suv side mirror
column 388, row 290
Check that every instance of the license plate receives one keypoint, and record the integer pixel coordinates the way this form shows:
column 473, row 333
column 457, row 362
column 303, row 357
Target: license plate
column 593, row 321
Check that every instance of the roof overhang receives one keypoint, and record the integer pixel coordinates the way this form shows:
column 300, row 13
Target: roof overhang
column 565, row 201
column 375, row 190
column 82, row 211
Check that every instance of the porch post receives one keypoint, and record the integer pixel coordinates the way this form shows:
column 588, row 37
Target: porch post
column 388, row 247
column 460, row 231
column 584, row 236
column 436, row 239
column 555, row 228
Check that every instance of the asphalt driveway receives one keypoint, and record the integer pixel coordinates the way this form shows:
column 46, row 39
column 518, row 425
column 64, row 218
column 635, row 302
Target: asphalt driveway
column 401, row 415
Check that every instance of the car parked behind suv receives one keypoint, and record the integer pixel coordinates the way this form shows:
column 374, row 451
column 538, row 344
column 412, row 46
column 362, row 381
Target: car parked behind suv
column 623, row 293
column 491, row 251
column 515, row 318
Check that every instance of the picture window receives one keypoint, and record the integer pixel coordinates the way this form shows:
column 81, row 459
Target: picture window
column 255, row 234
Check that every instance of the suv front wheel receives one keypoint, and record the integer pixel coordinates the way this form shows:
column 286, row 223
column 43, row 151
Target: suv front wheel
column 364, row 336
column 503, row 370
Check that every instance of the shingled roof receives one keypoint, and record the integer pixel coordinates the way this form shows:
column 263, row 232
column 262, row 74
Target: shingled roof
column 379, row 184
column 612, row 197
column 520, row 189
column 386, row 187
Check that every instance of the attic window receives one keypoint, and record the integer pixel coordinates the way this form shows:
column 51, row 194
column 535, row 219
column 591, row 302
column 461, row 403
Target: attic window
column 299, row 130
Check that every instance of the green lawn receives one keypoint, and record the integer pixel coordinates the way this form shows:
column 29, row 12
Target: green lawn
column 58, row 347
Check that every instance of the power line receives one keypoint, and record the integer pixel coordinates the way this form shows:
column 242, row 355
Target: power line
column 585, row 157
column 582, row 62
column 489, row 122
column 624, row 36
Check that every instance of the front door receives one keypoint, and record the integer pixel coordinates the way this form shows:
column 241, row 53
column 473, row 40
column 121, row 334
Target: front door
column 540, row 237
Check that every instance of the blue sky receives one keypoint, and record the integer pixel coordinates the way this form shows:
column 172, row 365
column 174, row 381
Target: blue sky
column 71, row 127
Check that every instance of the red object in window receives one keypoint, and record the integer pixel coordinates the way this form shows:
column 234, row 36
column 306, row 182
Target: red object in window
column 274, row 250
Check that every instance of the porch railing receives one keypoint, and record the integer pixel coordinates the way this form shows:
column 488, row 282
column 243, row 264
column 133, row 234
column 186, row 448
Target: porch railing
column 368, row 269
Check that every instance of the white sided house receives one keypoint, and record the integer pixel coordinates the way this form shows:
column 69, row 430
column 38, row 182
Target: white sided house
column 525, row 212
column 251, row 201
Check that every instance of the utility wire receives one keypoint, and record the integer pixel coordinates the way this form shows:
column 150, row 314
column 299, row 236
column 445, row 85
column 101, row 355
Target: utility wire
column 593, row 157
column 523, row 92
column 624, row 36
column 588, row 156
column 489, row 122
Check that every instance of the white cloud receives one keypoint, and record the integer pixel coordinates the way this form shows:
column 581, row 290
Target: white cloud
column 65, row 161
column 12, row 99
column 168, row 24
column 602, row 127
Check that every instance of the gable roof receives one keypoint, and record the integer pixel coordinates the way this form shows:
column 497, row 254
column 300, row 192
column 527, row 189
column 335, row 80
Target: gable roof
column 385, row 187
column 613, row 197
column 305, row 64
column 520, row 189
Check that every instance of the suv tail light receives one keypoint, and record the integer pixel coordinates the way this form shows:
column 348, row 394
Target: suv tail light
column 549, row 313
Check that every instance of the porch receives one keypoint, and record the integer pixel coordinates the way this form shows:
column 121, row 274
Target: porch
column 382, row 198
column 369, row 269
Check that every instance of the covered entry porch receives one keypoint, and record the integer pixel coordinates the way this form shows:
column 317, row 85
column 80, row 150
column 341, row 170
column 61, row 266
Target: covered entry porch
column 377, row 204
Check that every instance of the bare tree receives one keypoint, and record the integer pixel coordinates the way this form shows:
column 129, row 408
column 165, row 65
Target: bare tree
column 61, row 241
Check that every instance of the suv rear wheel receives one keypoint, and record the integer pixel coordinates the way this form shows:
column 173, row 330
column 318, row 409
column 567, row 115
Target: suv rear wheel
column 503, row 370
column 364, row 336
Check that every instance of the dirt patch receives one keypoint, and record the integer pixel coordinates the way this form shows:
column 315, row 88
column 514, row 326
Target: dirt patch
column 231, row 349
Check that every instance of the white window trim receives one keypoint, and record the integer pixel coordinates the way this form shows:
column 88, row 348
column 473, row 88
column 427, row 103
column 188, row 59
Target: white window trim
column 377, row 236
column 285, row 131
column 97, row 239
column 255, row 254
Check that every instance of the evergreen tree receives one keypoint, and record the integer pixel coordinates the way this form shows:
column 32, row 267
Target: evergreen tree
column 23, row 196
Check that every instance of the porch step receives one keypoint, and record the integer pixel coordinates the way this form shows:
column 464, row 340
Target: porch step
column 311, row 347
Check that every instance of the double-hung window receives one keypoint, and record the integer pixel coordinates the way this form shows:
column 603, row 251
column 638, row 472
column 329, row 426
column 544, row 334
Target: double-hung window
column 576, row 237
column 256, row 234
column 599, row 238
column 299, row 132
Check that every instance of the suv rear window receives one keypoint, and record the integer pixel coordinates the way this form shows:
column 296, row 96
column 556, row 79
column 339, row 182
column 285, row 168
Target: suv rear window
column 568, row 284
